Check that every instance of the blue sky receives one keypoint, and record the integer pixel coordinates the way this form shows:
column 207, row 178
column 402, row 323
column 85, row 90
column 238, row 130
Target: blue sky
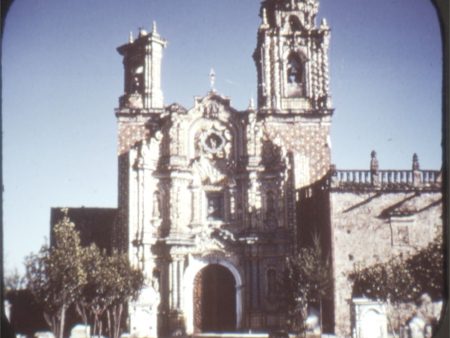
column 62, row 78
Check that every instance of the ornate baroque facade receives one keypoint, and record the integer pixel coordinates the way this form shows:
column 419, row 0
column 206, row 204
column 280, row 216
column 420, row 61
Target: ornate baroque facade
column 212, row 200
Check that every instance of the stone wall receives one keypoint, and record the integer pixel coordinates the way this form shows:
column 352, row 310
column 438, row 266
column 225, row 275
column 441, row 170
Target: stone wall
column 373, row 225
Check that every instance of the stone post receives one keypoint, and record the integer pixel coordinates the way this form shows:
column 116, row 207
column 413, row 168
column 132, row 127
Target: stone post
column 417, row 177
column 374, row 175
column 370, row 319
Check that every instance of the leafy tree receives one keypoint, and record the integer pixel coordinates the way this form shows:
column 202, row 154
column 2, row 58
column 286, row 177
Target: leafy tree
column 391, row 282
column 123, row 283
column 402, row 280
column 55, row 275
column 387, row 281
column 427, row 266
column 308, row 280
column 93, row 302
column 111, row 283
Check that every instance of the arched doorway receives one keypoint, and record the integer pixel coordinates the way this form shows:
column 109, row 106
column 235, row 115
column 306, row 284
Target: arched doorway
column 214, row 300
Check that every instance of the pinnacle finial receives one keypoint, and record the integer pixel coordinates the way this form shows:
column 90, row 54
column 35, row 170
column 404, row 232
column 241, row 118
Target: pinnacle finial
column 415, row 164
column 251, row 104
column 212, row 79
column 154, row 28
column 130, row 37
column 373, row 161
column 264, row 16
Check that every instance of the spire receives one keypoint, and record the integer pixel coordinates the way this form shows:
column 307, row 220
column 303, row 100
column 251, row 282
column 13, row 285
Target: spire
column 130, row 37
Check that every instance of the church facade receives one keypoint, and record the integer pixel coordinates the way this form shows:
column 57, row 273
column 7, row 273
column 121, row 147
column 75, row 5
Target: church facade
column 207, row 195
column 212, row 200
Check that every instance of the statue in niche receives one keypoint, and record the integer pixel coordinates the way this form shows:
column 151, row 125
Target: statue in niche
column 213, row 142
column 295, row 75
column 215, row 206
column 156, row 205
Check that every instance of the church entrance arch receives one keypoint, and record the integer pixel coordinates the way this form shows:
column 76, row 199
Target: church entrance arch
column 214, row 300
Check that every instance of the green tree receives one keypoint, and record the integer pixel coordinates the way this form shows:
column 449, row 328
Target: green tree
column 428, row 266
column 402, row 280
column 55, row 275
column 93, row 301
column 123, row 283
column 110, row 283
column 391, row 282
column 309, row 280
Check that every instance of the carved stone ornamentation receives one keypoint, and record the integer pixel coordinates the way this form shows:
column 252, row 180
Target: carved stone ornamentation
column 243, row 190
column 207, row 171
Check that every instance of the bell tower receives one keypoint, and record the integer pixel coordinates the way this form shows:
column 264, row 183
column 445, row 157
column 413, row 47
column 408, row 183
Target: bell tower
column 142, row 67
column 291, row 58
column 138, row 115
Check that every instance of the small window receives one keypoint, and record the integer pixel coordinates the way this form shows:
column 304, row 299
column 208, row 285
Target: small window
column 402, row 228
column 137, row 80
column 294, row 23
column 215, row 210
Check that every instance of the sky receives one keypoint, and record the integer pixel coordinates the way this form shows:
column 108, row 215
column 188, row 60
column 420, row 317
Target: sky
column 62, row 78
